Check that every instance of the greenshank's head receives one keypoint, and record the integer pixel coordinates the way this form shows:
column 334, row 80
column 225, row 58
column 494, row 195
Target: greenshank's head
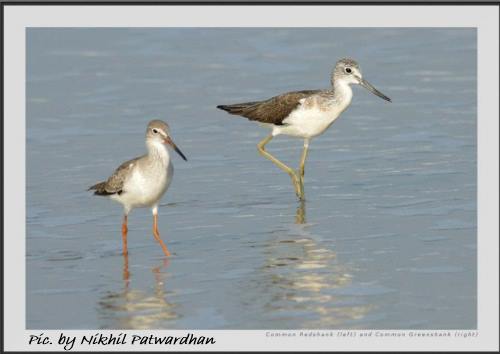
column 347, row 71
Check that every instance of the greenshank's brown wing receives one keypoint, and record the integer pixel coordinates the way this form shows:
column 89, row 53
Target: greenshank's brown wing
column 114, row 184
column 273, row 110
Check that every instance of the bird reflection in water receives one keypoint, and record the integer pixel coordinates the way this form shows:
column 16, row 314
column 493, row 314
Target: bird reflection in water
column 139, row 309
column 305, row 276
column 300, row 215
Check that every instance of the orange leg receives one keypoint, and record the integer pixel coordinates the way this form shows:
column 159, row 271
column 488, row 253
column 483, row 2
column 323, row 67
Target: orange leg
column 124, row 235
column 157, row 235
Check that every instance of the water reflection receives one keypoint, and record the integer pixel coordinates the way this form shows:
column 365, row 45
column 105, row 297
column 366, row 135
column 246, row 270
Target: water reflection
column 303, row 278
column 126, row 273
column 138, row 309
column 300, row 215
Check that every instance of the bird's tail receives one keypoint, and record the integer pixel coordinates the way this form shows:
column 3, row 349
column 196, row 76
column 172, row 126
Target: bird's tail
column 100, row 189
column 237, row 108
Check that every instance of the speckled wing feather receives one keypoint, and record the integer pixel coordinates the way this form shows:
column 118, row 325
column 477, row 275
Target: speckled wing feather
column 273, row 110
column 115, row 182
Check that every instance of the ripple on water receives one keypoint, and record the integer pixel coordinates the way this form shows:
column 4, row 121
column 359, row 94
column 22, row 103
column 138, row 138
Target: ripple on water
column 368, row 237
column 453, row 224
column 434, row 238
column 63, row 291
column 361, row 289
column 64, row 220
column 432, row 270
column 64, row 255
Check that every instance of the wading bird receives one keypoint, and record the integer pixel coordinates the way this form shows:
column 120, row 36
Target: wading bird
column 304, row 114
column 142, row 181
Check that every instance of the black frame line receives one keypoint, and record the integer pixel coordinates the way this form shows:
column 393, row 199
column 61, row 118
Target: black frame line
column 252, row 3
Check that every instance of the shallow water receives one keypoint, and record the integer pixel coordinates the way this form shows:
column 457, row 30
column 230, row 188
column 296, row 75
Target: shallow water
column 386, row 238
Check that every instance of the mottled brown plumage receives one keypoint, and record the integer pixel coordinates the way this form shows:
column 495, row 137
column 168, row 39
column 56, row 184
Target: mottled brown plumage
column 114, row 184
column 273, row 110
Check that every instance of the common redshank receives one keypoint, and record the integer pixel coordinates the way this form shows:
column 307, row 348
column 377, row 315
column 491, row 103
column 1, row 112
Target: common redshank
column 142, row 181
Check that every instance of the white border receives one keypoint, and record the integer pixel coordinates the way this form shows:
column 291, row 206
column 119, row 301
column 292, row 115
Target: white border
column 485, row 18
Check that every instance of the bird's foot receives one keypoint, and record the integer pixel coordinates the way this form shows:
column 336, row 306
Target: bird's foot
column 164, row 248
column 166, row 252
column 302, row 190
column 300, row 193
column 298, row 185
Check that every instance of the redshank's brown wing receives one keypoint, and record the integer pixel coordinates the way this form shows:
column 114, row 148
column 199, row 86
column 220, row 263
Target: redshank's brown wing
column 273, row 110
column 114, row 184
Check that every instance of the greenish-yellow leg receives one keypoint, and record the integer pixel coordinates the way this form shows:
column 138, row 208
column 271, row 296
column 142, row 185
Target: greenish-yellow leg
column 302, row 167
column 290, row 171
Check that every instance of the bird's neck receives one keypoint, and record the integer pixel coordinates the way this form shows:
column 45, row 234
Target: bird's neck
column 342, row 92
column 158, row 153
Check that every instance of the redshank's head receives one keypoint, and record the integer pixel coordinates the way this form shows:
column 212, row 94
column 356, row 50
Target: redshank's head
column 158, row 132
column 348, row 71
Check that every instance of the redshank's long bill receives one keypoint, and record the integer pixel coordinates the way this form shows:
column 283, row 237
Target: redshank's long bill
column 304, row 114
column 142, row 181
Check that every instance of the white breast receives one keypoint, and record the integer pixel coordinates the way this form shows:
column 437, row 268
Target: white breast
column 312, row 118
column 145, row 187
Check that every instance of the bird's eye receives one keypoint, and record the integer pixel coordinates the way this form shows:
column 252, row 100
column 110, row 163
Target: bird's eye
column 155, row 131
column 348, row 70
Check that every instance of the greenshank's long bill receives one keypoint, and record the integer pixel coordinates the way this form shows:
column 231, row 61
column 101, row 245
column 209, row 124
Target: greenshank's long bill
column 304, row 114
column 142, row 181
